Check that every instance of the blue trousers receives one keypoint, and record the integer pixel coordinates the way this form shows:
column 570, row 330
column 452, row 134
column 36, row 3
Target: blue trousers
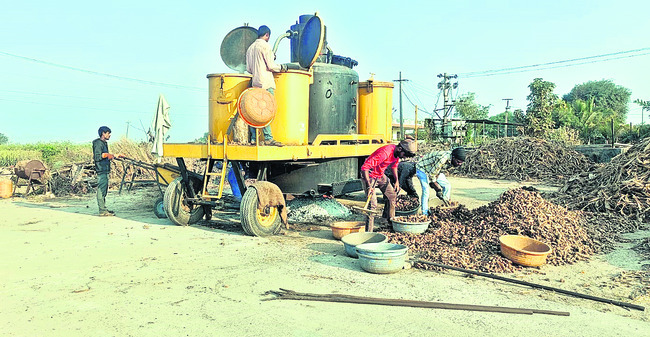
column 424, row 183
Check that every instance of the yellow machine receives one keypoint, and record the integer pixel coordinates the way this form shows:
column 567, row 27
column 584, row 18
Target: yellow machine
column 328, row 121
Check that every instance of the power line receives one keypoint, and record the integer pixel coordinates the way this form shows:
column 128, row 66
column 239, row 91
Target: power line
column 111, row 99
column 562, row 66
column 88, row 108
column 521, row 69
column 92, row 72
column 508, row 70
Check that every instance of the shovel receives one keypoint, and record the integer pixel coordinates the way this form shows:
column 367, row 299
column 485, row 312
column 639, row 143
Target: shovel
column 365, row 207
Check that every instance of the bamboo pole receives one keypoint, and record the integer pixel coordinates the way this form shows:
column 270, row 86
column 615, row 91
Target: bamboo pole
column 534, row 285
column 285, row 294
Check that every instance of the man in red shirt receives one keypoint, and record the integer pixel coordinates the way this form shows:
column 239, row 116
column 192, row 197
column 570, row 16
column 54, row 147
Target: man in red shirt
column 372, row 175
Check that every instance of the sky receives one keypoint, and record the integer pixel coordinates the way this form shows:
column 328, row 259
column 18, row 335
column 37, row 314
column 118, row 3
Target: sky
column 68, row 67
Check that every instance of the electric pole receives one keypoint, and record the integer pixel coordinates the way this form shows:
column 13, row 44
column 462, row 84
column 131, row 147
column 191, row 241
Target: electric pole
column 507, row 112
column 445, row 86
column 127, row 129
column 401, row 116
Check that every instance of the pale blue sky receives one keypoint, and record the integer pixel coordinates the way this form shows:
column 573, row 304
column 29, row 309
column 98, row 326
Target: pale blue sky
column 178, row 43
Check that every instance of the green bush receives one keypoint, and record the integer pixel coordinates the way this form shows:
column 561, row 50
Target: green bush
column 54, row 155
column 9, row 157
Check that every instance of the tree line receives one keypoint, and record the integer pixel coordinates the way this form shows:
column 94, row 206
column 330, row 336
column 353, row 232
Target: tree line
column 587, row 114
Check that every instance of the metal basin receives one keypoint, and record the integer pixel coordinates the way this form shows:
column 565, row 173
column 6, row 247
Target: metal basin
column 382, row 264
column 351, row 241
column 410, row 227
column 383, row 249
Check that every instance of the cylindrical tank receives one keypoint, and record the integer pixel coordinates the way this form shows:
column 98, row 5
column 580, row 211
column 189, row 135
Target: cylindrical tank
column 30, row 169
column 6, row 188
column 224, row 91
column 376, row 108
column 332, row 100
column 291, row 122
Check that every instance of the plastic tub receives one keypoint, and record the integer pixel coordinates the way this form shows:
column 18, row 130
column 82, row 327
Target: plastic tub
column 383, row 249
column 410, row 227
column 382, row 264
column 524, row 250
column 343, row 228
column 6, row 188
column 351, row 241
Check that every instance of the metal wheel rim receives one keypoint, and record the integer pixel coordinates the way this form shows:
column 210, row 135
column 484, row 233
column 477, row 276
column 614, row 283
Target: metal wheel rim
column 267, row 220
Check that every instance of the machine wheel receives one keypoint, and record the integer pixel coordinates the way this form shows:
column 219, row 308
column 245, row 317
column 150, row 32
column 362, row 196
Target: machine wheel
column 255, row 222
column 159, row 208
column 175, row 205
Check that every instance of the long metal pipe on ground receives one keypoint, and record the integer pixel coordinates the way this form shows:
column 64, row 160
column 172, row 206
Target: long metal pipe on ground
column 534, row 285
column 285, row 294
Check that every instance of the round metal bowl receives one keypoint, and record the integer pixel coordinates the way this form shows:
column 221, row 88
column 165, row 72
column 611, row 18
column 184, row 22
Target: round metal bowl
column 524, row 250
column 351, row 241
column 411, row 212
column 343, row 228
column 410, row 227
column 382, row 264
column 383, row 249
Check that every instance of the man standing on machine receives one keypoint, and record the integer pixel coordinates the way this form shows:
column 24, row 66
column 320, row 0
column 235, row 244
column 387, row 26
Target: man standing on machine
column 260, row 63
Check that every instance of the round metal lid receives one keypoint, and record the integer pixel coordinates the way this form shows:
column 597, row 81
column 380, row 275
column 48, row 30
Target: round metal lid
column 234, row 46
column 310, row 41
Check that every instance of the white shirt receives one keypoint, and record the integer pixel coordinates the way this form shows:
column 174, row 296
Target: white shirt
column 259, row 62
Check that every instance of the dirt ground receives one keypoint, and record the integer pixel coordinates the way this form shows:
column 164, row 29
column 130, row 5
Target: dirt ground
column 67, row 272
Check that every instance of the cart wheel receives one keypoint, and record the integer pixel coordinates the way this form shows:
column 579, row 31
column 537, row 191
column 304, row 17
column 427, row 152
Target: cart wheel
column 255, row 222
column 176, row 206
column 159, row 208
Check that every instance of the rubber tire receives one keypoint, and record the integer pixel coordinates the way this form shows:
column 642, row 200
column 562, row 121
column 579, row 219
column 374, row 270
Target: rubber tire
column 173, row 203
column 249, row 219
column 159, row 208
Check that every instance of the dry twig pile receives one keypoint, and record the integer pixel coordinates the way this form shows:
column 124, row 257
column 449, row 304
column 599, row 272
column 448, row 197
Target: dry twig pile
column 524, row 158
column 621, row 186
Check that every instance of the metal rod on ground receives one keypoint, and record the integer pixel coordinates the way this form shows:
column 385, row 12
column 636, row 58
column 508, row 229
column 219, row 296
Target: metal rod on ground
column 534, row 285
column 285, row 294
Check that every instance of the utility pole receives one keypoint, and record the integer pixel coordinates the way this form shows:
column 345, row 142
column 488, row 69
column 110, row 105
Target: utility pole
column 127, row 129
column 507, row 112
column 445, row 86
column 401, row 116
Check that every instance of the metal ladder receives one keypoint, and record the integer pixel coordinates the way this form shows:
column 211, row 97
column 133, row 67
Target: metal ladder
column 208, row 172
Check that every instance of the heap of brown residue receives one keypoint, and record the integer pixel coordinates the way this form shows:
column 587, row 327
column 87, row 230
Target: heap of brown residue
column 470, row 238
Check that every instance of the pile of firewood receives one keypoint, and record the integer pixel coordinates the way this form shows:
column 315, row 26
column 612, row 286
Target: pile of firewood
column 470, row 238
column 523, row 159
column 621, row 186
column 79, row 178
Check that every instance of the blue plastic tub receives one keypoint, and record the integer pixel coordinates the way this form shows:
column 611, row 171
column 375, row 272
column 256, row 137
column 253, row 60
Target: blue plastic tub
column 382, row 264
column 351, row 241
column 383, row 249
column 410, row 227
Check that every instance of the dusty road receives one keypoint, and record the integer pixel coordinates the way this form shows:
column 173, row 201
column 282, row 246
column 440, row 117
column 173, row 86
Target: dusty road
column 67, row 272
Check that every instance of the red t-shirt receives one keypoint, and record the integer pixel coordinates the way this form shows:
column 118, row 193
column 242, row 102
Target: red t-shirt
column 380, row 160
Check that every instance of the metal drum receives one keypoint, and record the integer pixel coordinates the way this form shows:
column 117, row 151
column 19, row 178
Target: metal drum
column 292, row 97
column 332, row 100
column 376, row 108
column 30, row 170
column 224, row 92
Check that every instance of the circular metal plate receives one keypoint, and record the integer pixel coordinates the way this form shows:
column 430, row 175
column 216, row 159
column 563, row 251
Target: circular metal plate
column 310, row 42
column 234, row 46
